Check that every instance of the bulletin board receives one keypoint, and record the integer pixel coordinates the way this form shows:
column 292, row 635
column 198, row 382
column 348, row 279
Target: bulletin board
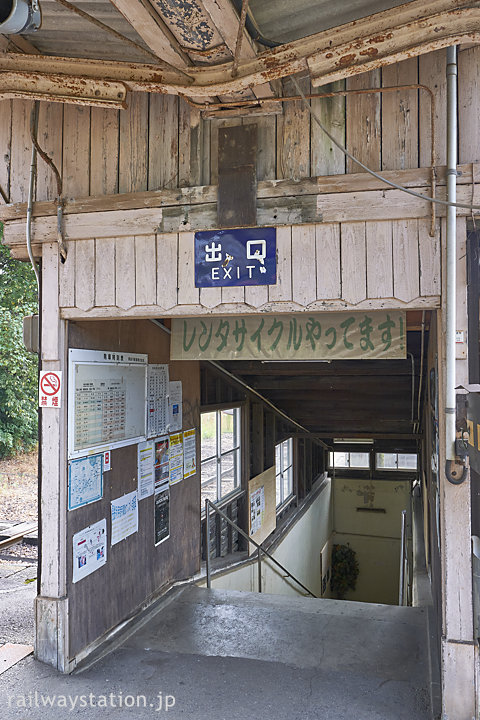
column 262, row 507
column 106, row 400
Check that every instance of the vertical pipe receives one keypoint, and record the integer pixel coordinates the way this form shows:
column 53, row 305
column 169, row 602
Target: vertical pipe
column 207, row 542
column 259, row 570
column 402, row 559
column 451, row 254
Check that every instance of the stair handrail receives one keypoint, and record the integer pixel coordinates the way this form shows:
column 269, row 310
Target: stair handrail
column 403, row 558
column 210, row 504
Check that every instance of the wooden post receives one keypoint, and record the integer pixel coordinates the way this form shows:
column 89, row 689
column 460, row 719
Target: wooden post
column 51, row 606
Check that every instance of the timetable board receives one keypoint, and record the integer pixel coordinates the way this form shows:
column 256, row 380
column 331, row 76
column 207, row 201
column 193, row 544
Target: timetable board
column 106, row 400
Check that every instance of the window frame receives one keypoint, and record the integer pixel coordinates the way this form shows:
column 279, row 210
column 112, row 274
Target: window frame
column 236, row 451
column 332, row 464
column 396, row 468
column 280, row 475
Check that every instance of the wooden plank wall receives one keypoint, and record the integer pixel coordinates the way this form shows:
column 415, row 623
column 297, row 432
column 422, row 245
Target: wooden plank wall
column 135, row 568
column 160, row 141
column 393, row 263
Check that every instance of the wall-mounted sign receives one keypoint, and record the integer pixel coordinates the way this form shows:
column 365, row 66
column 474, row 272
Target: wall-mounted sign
column 50, row 388
column 303, row 336
column 246, row 256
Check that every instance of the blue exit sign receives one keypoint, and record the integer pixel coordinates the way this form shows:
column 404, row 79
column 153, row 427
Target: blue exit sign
column 246, row 256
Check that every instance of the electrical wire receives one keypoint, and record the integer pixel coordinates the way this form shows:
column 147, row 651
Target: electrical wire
column 376, row 175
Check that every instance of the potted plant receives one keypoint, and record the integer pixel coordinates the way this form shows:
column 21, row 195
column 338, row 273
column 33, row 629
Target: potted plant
column 344, row 570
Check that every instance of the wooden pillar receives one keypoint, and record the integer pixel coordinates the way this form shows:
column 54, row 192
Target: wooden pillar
column 458, row 647
column 51, row 605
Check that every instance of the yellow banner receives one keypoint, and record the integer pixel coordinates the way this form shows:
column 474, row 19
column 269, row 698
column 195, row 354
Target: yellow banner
column 377, row 335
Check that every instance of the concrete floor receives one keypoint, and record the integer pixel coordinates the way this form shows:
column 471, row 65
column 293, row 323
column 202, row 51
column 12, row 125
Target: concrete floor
column 240, row 655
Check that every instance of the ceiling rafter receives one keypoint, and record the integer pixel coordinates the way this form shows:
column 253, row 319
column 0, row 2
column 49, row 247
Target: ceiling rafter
column 385, row 38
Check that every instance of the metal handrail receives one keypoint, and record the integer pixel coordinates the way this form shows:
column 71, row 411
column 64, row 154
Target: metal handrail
column 401, row 588
column 208, row 503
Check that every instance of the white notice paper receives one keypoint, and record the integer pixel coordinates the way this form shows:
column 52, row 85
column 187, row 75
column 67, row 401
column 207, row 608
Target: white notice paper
column 189, row 453
column 176, row 458
column 89, row 550
column 157, row 400
column 257, row 509
column 124, row 517
column 175, row 406
column 145, row 472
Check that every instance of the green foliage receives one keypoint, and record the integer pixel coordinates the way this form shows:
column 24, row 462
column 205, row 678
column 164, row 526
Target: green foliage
column 344, row 570
column 18, row 368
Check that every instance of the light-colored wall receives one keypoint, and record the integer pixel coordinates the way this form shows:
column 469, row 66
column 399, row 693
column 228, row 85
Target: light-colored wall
column 375, row 536
column 299, row 551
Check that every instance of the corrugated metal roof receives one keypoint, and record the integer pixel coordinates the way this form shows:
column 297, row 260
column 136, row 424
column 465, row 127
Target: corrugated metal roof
column 64, row 33
column 287, row 20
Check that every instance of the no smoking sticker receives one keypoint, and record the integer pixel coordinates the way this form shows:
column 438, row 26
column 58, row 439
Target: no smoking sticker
column 49, row 391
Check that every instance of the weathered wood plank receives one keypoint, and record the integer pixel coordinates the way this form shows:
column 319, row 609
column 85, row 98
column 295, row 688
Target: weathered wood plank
column 461, row 305
column 145, row 270
column 329, row 282
column 76, row 150
column 50, row 121
column 379, row 259
column 167, row 259
column 125, row 272
column 429, row 252
column 133, row 161
column 304, row 281
column 268, row 189
column 215, row 125
column 363, row 122
column 85, row 274
column 406, row 272
column 210, row 297
column 266, row 153
column 163, row 142
column 50, row 339
column 468, row 105
column 5, row 144
column 326, row 158
column 21, row 150
column 283, row 288
column 293, row 136
column 354, row 271
column 400, row 117
column 187, row 292
column 233, row 295
column 105, row 126
column 105, row 272
column 432, row 73
column 67, row 276
column 256, row 295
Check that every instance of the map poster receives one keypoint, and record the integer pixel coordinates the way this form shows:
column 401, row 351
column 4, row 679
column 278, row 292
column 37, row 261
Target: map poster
column 176, row 458
column 161, row 464
column 189, row 453
column 124, row 517
column 89, row 550
column 145, row 469
column 85, row 481
column 257, row 509
column 175, row 406
column 162, row 516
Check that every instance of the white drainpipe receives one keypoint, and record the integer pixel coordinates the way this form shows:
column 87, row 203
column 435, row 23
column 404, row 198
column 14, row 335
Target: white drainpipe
column 455, row 473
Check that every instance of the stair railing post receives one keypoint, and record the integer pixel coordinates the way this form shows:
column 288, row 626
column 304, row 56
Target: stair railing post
column 207, row 542
column 259, row 570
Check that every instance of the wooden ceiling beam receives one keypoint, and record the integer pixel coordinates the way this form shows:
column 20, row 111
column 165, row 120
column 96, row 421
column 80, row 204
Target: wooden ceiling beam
column 153, row 31
column 448, row 21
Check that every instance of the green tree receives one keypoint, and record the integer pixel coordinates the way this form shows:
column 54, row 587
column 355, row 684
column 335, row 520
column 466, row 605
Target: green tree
column 18, row 368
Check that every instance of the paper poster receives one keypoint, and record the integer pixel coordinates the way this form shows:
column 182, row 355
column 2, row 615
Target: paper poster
column 89, row 550
column 257, row 509
column 161, row 465
column 124, row 517
column 176, row 458
column 189, row 453
column 85, row 481
column 162, row 516
column 145, row 472
column 157, row 400
column 175, row 406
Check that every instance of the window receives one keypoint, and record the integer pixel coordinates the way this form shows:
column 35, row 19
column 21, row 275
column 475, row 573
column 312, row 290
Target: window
column 396, row 461
column 284, row 470
column 220, row 449
column 358, row 460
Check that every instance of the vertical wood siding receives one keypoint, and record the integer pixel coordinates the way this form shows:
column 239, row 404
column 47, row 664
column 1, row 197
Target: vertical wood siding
column 160, row 141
